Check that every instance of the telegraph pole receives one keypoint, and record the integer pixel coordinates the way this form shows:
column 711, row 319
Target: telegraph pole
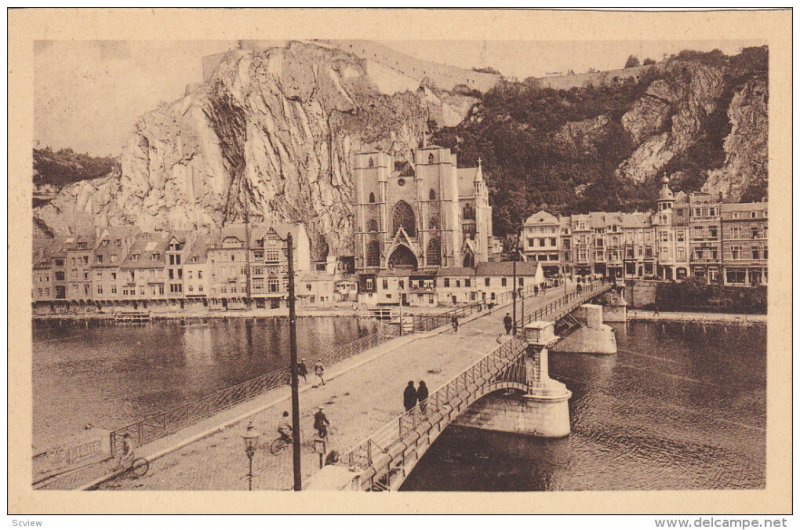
column 514, row 281
column 247, row 256
column 298, row 485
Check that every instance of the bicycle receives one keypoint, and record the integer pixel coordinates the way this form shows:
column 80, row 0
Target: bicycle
column 279, row 445
column 138, row 467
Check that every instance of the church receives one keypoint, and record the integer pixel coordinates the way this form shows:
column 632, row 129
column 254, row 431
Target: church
column 422, row 214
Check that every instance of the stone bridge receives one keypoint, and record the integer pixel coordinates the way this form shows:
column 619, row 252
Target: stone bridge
column 540, row 407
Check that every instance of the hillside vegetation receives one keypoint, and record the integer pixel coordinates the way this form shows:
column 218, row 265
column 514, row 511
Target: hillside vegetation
column 602, row 148
column 65, row 166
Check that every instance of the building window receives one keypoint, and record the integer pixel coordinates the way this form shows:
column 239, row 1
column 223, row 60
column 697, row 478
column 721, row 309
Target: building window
column 432, row 195
column 503, row 282
column 369, row 284
column 755, row 252
column 371, row 162
column 430, row 158
column 385, row 284
column 754, row 232
column 113, row 289
column 433, row 224
column 736, row 252
column 371, row 197
column 373, row 254
column 468, row 212
column 434, row 254
column 712, row 232
column 467, row 283
column 487, row 281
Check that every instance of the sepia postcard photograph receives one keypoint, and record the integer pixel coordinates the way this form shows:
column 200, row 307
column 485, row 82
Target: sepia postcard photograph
column 336, row 261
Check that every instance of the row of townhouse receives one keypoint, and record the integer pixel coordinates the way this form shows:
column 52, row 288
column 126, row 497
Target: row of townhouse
column 447, row 286
column 692, row 234
column 220, row 271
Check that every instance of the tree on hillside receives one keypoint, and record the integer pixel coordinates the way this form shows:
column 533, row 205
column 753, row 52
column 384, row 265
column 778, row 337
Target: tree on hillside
column 648, row 61
column 632, row 61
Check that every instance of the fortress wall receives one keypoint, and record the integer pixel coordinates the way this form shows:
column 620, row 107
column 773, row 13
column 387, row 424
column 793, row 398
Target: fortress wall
column 444, row 76
column 566, row 82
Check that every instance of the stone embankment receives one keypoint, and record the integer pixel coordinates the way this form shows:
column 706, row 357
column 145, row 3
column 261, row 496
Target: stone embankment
column 667, row 316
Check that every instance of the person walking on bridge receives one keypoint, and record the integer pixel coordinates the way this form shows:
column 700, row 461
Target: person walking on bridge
column 302, row 369
column 410, row 396
column 422, row 396
column 454, row 323
column 319, row 370
column 508, row 323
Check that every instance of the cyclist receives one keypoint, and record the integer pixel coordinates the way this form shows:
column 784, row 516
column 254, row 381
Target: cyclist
column 321, row 423
column 285, row 428
column 128, row 456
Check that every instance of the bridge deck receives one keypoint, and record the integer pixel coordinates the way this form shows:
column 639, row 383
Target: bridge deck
column 358, row 402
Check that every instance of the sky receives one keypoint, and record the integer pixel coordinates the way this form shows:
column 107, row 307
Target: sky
column 89, row 94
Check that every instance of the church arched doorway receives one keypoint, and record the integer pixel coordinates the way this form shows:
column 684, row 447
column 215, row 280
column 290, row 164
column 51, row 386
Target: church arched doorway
column 469, row 260
column 403, row 258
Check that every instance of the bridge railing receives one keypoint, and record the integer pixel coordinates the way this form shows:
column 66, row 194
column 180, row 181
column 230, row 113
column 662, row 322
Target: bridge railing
column 505, row 364
column 429, row 323
column 166, row 422
column 556, row 309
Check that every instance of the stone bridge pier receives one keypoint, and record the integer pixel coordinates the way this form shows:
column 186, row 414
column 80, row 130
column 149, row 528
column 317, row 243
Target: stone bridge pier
column 592, row 336
column 542, row 411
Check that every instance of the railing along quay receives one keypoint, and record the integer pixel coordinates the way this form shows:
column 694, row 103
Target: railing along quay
column 558, row 309
column 166, row 422
column 395, row 445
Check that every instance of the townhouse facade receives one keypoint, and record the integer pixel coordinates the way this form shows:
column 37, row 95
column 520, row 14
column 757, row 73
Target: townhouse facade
column 449, row 286
column 688, row 235
column 150, row 270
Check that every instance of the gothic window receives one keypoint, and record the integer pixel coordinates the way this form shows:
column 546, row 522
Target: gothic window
column 403, row 216
column 373, row 254
column 371, row 197
column 433, row 224
column 468, row 212
column 432, row 195
column 371, row 162
column 372, row 225
column 434, row 254
column 430, row 158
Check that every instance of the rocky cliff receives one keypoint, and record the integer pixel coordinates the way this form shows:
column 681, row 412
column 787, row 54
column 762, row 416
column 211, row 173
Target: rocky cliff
column 271, row 131
column 269, row 134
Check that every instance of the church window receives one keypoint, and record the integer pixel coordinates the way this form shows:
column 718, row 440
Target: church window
column 373, row 254
column 371, row 197
column 432, row 195
column 372, row 225
column 403, row 216
column 430, row 158
column 468, row 212
column 371, row 162
column 434, row 254
column 433, row 224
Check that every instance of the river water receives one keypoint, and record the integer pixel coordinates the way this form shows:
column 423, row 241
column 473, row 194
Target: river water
column 110, row 375
column 681, row 406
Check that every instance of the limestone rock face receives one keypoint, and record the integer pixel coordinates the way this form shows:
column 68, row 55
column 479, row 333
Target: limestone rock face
column 270, row 134
column 670, row 117
column 746, row 146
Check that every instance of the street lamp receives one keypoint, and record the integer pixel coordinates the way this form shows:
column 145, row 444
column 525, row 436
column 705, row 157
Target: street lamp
column 250, row 438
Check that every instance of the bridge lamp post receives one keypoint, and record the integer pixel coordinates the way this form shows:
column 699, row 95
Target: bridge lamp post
column 250, row 437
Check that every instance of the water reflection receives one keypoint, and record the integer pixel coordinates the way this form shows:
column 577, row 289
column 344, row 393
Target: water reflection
column 108, row 375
